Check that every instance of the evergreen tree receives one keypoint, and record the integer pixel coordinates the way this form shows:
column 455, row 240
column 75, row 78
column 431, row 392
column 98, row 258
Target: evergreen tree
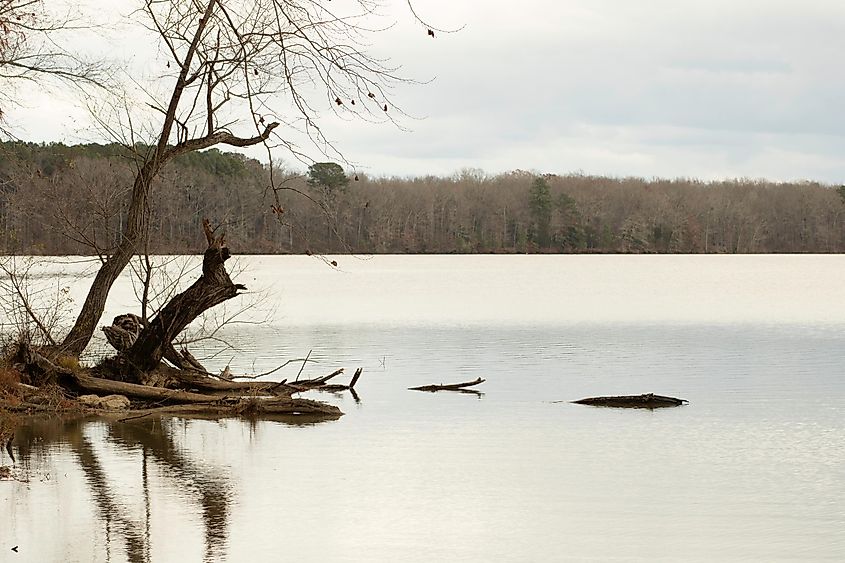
column 328, row 177
column 540, row 207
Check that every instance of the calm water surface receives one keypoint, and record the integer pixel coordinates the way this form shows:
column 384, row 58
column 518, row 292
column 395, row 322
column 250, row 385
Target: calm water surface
column 752, row 470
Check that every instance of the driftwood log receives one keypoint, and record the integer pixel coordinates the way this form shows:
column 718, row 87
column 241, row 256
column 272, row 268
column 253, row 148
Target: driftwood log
column 647, row 401
column 100, row 386
column 450, row 387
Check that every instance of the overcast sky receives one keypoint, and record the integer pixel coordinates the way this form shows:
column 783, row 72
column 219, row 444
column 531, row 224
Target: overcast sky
column 693, row 88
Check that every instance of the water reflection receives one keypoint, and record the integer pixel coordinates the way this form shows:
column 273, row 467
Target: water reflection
column 131, row 471
column 110, row 512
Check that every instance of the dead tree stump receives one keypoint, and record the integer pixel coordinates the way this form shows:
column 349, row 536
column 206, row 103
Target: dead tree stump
column 212, row 288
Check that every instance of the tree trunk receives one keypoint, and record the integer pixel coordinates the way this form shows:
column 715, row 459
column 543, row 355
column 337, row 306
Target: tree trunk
column 79, row 336
column 212, row 288
column 137, row 220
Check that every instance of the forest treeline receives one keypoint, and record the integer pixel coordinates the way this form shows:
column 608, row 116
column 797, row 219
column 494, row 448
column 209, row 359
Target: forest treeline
column 58, row 199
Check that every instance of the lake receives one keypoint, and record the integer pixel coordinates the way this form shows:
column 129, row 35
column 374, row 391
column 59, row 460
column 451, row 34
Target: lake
column 753, row 469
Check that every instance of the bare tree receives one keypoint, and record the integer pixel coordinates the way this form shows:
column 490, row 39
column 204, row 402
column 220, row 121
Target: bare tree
column 31, row 49
column 232, row 64
column 31, row 303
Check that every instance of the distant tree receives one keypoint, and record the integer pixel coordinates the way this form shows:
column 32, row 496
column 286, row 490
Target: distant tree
column 540, row 207
column 567, row 233
column 327, row 177
column 841, row 191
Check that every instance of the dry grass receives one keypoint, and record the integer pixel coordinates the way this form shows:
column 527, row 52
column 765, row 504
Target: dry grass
column 52, row 399
column 9, row 377
column 69, row 363
column 10, row 393
column 48, row 398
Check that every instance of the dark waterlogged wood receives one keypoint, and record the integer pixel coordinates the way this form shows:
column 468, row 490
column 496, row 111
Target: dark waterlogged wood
column 449, row 387
column 647, row 401
column 318, row 381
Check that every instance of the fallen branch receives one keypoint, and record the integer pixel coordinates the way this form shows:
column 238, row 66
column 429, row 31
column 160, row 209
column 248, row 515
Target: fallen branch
column 305, row 361
column 317, row 381
column 274, row 370
column 319, row 384
column 201, row 382
column 450, row 387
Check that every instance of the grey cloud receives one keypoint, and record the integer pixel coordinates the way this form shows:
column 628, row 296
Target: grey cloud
column 665, row 87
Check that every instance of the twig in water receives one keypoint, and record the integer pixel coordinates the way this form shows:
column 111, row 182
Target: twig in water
column 134, row 417
column 303, row 365
column 274, row 370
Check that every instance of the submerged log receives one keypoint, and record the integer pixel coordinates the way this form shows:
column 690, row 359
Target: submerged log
column 449, row 387
column 647, row 401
